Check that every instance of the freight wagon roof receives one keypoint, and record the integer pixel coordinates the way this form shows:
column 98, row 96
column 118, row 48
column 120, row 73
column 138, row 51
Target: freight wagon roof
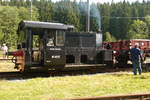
column 47, row 25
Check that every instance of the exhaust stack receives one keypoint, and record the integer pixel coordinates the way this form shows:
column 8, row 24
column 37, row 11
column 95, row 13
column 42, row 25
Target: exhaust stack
column 88, row 17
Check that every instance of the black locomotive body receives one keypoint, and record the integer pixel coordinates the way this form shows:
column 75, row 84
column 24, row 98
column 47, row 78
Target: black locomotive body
column 83, row 48
column 53, row 46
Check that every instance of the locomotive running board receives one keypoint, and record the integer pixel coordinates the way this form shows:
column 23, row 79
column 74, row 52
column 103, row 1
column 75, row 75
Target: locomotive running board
column 83, row 66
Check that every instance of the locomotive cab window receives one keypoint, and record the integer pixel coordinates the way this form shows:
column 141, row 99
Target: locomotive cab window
column 55, row 38
column 60, row 38
column 50, row 38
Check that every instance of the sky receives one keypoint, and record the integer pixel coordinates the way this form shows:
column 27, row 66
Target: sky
column 102, row 1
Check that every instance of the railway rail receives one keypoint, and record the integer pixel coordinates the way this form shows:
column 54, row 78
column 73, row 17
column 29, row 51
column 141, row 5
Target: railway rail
column 143, row 96
column 67, row 70
column 18, row 75
column 71, row 71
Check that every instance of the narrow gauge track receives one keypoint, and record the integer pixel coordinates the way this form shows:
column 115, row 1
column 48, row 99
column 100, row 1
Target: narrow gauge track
column 18, row 75
column 4, row 75
column 144, row 96
column 66, row 71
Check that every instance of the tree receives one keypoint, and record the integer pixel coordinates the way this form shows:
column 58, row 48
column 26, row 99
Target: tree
column 147, row 19
column 138, row 30
column 95, row 21
column 83, row 14
column 45, row 9
column 1, row 34
column 125, row 22
column 23, row 13
column 65, row 12
column 108, row 37
column 0, row 2
column 120, row 19
column 105, row 10
column 9, row 19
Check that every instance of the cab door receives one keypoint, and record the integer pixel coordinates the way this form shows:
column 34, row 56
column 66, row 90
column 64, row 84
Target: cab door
column 34, row 48
column 55, row 49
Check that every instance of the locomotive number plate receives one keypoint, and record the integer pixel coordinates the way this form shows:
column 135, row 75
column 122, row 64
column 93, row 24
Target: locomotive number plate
column 55, row 49
column 56, row 56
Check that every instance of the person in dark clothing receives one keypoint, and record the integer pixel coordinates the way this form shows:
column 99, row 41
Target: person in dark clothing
column 136, row 58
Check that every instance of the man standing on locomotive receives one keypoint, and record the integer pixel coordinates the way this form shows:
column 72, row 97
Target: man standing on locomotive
column 136, row 58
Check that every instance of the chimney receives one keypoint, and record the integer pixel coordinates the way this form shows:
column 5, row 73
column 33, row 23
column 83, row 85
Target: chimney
column 88, row 17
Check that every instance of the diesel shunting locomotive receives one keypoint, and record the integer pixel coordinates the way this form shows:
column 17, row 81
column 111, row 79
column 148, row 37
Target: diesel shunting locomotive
column 52, row 46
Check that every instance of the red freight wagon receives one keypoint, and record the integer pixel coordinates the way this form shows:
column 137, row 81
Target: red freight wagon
column 121, row 48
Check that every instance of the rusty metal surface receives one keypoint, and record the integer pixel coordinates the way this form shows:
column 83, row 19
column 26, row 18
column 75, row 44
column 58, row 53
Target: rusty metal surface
column 142, row 96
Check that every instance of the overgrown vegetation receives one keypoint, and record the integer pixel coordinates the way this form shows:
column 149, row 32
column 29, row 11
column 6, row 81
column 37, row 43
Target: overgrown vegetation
column 118, row 20
column 74, row 86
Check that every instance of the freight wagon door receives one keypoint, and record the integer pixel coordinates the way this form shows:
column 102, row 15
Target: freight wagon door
column 55, row 50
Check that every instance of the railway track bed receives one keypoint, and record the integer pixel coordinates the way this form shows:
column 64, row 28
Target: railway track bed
column 62, row 72
column 18, row 75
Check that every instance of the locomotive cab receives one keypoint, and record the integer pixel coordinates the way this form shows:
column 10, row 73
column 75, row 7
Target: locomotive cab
column 42, row 45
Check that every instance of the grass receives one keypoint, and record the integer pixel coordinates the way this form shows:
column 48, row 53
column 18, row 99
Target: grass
column 74, row 86
column 71, row 86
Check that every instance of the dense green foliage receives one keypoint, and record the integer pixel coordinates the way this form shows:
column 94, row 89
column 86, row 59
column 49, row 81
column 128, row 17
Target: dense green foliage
column 9, row 19
column 119, row 19
column 138, row 30
column 109, row 37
